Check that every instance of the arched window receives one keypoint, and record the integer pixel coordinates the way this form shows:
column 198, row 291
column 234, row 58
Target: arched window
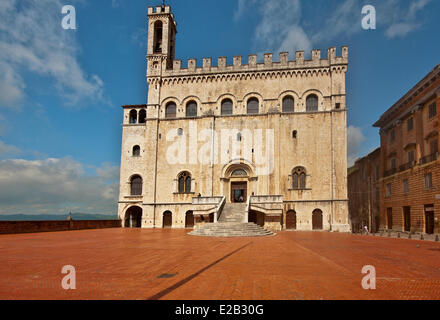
column 133, row 117
column 226, row 107
column 253, row 106
column 239, row 173
column 312, row 103
column 299, row 177
column 294, row 134
column 158, row 37
column 136, row 151
column 288, row 104
column 191, row 109
column 170, row 110
column 180, row 132
column 184, row 182
column 142, row 116
column 136, row 186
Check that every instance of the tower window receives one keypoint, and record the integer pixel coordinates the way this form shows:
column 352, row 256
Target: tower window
column 312, row 103
column 180, row 132
column 158, row 26
column 170, row 110
column 288, row 104
column 136, row 151
column 191, row 109
column 294, row 134
column 226, row 107
column 142, row 116
column 253, row 106
column 133, row 117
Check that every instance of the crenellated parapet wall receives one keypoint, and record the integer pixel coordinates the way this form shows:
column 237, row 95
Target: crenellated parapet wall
column 299, row 66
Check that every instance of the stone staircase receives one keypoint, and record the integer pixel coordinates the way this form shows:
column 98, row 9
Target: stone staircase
column 231, row 224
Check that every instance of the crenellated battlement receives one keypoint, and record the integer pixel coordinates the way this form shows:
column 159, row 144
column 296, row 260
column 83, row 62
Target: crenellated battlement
column 237, row 65
column 159, row 10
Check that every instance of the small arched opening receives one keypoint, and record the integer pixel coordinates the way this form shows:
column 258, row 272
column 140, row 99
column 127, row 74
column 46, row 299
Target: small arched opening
column 133, row 217
column 189, row 219
column 136, row 151
column 142, row 116
column 317, row 220
column 167, row 221
column 291, row 220
column 133, row 117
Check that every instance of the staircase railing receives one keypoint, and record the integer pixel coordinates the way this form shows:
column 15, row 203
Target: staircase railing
column 219, row 210
column 248, row 206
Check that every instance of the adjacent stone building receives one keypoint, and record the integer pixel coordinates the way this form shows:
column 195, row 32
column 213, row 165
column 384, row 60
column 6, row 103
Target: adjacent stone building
column 410, row 169
column 270, row 136
column 364, row 193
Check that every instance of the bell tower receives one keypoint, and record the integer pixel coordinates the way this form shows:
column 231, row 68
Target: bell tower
column 162, row 29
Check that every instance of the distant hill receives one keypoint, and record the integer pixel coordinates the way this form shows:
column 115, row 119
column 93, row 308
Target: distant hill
column 56, row 217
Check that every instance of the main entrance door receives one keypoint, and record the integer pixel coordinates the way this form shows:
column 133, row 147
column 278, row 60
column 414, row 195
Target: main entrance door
column 238, row 192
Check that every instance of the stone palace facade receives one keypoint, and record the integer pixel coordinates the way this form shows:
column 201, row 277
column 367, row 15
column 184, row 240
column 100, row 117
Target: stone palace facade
column 270, row 137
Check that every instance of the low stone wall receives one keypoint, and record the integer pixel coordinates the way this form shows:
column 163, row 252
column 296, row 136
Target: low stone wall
column 11, row 227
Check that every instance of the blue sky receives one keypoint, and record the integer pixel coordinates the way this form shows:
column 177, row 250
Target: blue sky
column 61, row 90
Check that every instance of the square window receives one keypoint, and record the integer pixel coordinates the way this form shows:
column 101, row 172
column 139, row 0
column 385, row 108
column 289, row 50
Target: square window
column 388, row 191
column 392, row 136
column 405, row 186
column 428, row 181
column 434, row 146
column 411, row 156
column 393, row 164
column 410, row 124
column 432, row 110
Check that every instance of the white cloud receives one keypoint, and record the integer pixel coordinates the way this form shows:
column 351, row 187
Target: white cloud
column 32, row 40
column 279, row 28
column 8, row 150
column 56, row 185
column 283, row 28
column 115, row 4
column 355, row 138
column 407, row 21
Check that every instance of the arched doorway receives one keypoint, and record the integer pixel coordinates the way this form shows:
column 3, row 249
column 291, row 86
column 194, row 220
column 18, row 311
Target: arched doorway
column 167, row 219
column 291, row 220
column 189, row 219
column 317, row 220
column 133, row 217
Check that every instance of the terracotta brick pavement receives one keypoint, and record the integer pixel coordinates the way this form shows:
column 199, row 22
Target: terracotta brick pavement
column 126, row 263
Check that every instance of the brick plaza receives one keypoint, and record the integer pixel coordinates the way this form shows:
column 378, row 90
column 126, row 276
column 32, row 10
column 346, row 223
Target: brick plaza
column 128, row 264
